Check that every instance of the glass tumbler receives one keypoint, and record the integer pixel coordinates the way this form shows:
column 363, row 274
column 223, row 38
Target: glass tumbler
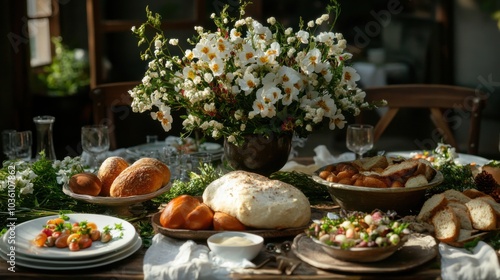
column 21, row 144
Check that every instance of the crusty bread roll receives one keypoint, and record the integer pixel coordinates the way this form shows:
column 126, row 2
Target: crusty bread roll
column 258, row 202
column 137, row 180
column 186, row 212
column 446, row 225
column 165, row 171
column 85, row 183
column 223, row 221
column 108, row 171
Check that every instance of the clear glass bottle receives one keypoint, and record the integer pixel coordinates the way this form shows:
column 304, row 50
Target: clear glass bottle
column 44, row 138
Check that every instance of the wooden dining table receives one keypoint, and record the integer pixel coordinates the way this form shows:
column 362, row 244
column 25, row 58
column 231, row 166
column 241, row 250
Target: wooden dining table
column 132, row 266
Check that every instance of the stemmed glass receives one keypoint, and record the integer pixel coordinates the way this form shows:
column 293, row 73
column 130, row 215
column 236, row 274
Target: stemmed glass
column 359, row 138
column 95, row 140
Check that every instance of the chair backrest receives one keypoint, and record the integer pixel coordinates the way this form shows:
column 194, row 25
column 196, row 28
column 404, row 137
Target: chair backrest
column 105, row 99
column 443, row 101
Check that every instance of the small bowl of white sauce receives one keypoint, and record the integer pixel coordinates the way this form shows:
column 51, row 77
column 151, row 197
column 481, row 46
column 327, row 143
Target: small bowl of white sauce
column 235, row 245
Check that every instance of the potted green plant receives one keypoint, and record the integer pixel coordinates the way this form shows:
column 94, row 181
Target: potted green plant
column 68, row 74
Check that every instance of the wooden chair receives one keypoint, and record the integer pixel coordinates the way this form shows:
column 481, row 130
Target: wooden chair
column 450, row 106
column 106, row 98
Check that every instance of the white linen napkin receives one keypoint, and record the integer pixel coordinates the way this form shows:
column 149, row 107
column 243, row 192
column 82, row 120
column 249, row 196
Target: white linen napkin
column 324, row 157
column 460, row 264
column 168, row 258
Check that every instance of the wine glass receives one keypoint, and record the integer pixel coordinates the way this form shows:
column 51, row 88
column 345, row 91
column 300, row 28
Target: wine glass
column 95, row 141
column 359, row 138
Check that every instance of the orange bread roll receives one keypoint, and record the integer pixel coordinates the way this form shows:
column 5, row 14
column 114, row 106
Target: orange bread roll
column 85, row 183
column 223, row 221
column 186, row 212
column 137, row 180
column 165, row 171
column 108, row 171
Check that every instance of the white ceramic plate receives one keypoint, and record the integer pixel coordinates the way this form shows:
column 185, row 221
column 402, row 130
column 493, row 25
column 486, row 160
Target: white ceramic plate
column 25, row 232
column 115, row 201
column 462, row 158
column 19, row 256
column 79, row 264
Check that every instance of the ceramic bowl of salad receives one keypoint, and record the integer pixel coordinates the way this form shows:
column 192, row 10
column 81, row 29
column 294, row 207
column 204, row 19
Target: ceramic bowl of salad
column 358, row 236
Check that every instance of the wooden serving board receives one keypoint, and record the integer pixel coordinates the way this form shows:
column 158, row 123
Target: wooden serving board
column 204, row 234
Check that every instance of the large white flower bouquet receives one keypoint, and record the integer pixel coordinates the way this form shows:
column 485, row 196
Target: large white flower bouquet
column 248, row 78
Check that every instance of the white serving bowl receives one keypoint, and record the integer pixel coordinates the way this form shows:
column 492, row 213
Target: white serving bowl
column 233, row 251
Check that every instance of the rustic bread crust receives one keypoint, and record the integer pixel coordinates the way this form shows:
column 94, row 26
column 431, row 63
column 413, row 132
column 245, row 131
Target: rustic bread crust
column 108, row 171
column 137, row 180
column 165, row 171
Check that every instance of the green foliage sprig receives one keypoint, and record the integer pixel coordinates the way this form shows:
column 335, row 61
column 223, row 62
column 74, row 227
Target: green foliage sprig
column 68, row 73
column 31, row 190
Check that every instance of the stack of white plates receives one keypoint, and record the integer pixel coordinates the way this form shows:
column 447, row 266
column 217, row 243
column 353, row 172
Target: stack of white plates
column 24, row 253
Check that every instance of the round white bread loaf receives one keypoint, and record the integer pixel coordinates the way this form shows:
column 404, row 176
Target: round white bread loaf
column 258, row 202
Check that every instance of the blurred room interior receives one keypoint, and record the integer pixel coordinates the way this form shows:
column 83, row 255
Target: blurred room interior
column 393, row 42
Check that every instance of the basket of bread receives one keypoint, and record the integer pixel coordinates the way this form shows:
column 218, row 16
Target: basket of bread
column 379, row 182
column 237, row 201
column 118, row 183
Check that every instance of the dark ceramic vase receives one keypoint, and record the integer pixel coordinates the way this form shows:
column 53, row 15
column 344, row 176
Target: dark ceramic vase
column 260, row 154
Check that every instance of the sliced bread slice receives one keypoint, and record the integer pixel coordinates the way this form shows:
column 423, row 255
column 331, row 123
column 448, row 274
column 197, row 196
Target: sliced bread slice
column 452, row 194
column 401, row 170
column 462, row 213
column 491, row 201
column 482, row 214
column 371, row 163
column 446, row 225
column 416, row 181
column 431, row 206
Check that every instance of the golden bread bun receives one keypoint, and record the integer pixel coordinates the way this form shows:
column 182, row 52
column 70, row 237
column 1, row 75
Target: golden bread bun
column 165, row 171
column 137, row 180
column 108, row 171
column 186, row 212
column 223, row 221
column 85, row 183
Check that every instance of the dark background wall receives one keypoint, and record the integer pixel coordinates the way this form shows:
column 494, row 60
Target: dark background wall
column 469, row 41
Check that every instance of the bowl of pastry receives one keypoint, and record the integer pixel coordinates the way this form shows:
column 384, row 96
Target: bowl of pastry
column 379, row 182
column 118, row 183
